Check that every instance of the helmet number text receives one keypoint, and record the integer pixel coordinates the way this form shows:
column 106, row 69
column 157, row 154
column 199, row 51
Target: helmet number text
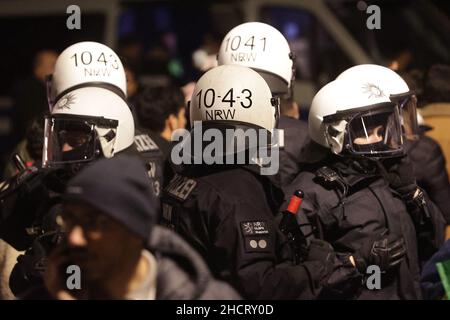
column 208, row 99
column 86, row 58
column 234, row 43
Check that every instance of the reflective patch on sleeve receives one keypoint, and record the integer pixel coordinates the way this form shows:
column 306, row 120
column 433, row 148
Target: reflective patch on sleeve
column 256, row 236
column 254, row 228
column 181, row 187
column 144, row 143
column 257, row 244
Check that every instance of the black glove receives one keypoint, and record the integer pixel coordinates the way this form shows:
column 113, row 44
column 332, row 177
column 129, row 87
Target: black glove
column 387, row 253
column 341, row 280
column 400, row 176
column 29, row 270
column 322, row 251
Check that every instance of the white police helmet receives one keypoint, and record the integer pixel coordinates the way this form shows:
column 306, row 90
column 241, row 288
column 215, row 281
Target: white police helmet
column 235, row 95
column 86, row 123
column 395, row 87
column 86, row 64
column 356, row 118
column 264, row 49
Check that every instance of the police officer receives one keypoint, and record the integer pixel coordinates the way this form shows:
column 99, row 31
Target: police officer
column 355, row 125
column 76, row 133
column 226, row 208
column 89, row 115
column 89, row 119
column 423, row 151
column 264, row 49
column 92, row 64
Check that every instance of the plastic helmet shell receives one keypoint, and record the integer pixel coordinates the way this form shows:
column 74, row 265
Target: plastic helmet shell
column 264, row 49
column 87, row 63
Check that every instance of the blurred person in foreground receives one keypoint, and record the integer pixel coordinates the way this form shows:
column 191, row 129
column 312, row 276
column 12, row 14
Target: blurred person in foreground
column 109, row 213
column 431, row 281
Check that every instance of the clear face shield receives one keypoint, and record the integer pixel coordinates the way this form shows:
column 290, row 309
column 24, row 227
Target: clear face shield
column 407, row 104
column 372, row 131
column 74, row 139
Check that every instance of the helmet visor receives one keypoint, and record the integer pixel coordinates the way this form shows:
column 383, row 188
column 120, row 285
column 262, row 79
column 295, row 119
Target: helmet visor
column 68, row 140
column 408, row 111
column 375, row 133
